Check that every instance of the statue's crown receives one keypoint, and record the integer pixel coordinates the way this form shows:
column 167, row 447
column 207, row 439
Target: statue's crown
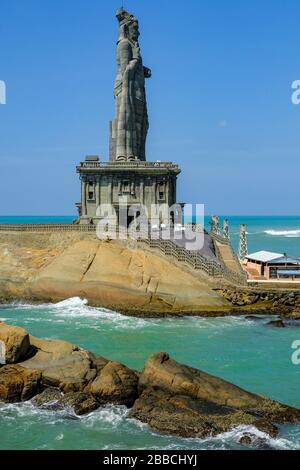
column 125, row 17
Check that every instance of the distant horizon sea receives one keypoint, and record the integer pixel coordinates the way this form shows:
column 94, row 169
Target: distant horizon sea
column 272, row 233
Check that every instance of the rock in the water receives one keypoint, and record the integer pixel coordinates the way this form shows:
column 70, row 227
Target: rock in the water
column 247, row 439
column 48, row 399
column 178, row 399
column 253, row 317
column 276, row 324
column 62, row 364
column 291, row 315
column 81, row 402
column 252, row 440
column 15, row 343
column 115, row 383
column 163, row 372
column 174, row 414
column 52, row 399
column 267, row 427
column 18, row 384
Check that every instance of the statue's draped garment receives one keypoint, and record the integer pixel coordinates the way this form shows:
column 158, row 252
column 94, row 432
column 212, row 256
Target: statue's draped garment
column 130, row 127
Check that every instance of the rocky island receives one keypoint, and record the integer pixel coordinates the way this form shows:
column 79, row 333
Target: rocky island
column 171, row 398
column 39, row 266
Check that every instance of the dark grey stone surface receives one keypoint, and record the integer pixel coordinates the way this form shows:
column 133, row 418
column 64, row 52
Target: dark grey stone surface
column 129, row 129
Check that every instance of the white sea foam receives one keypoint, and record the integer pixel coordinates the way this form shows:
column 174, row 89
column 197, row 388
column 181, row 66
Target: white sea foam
column 77, row 308
column 110, row 415
column 226, row 440
column 112, row 418
column 284, row 233
column 73, row 302
column 237, row 433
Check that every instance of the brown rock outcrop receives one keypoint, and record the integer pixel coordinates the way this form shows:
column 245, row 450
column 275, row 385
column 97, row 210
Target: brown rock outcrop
column 180, row 400
column 170, row 397
column 109, row 274
column 62, row 364
column 15, row 343
column 80, row 402
column 115, row 383
column 163, row 372
column 18, row 384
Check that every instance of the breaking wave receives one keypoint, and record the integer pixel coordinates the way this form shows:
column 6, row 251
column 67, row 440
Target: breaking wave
column 77, row 309
column 283, row 233
column 260, row 439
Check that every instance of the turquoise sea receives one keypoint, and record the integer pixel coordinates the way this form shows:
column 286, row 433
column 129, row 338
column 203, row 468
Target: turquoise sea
column 245, row 352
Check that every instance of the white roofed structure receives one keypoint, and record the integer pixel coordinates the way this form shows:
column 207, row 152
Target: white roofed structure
column 264, row 256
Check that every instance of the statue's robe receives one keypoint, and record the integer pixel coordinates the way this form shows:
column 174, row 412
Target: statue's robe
column 131, row 124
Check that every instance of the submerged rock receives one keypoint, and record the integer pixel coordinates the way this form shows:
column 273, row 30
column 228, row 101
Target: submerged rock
column 15, row 343
column 252, row 440
column 48, row 399
column 80, row 402
column 276, row 324
column 254, row 317
column 247, row 439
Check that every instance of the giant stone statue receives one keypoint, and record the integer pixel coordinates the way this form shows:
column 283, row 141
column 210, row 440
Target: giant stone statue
column 129, row 130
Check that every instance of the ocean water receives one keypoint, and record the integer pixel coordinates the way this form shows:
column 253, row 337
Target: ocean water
column 279, row 234
column 247, row 353
column 273, row 233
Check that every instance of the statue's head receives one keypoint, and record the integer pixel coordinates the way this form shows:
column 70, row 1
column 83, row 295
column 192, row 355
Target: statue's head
column 129, row 25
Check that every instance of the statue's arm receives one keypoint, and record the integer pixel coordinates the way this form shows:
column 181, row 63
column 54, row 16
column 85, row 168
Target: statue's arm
column 147, row 72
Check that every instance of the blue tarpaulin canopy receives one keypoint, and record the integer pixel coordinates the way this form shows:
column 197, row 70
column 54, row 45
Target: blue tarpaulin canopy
column 288, row 272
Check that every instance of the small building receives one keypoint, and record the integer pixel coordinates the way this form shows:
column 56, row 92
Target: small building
column 142, row 183
column 266, row 265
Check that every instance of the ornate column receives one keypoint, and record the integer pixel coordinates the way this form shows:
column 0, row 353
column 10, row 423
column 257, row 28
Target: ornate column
column 142, row 191
column 97, row 194
column 83, row 197
column 155, row 190
column 167, row 189
column 110, row 190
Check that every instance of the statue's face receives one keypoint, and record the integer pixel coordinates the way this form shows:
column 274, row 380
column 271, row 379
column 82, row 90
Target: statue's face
column 133, row 30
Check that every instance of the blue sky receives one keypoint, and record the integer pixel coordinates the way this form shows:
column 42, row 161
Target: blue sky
column 219, row 99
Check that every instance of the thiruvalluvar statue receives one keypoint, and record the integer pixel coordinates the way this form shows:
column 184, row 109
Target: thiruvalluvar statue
column 129, row 130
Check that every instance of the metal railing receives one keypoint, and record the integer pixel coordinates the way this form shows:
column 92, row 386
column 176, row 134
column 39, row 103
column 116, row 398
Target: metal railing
column 194, row 259
column 128, row 164
column 46, row 228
